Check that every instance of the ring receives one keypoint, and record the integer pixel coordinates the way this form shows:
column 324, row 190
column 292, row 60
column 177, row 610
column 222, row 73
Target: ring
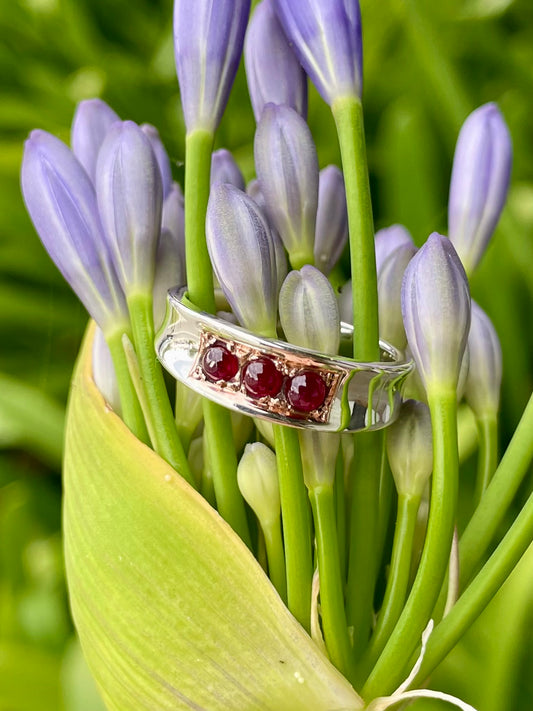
column 274, row 380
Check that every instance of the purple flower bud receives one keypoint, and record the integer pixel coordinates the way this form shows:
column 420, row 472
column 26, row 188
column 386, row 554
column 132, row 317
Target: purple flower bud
column 274, row 73
column 410, row 448
column 389, row 295
column 208, row 41
column 224, row 169
column 331, row 232
column 169, row 272
column 92, row 120
column 287, row 168
column 345, row 301
column 308, row 311
column 253, row 189
column 479, row 184
column 485, row 373
column 388, row 240
column 104, row 372
column 240, row 245
column 436, row 312
column 60, row 199
column 130, row 195
column 173, row 220
column 326, row 36
column 161, row 155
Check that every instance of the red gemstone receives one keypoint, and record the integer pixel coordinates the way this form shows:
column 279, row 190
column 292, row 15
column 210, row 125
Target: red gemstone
column 219, row 363
column 262, row 378
column 306, row 391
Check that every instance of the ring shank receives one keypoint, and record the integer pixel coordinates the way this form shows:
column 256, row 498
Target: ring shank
column 359, row 396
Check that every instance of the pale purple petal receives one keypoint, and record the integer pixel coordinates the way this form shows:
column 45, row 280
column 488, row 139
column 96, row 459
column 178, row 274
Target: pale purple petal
column 387, row 240
column 389, row 295
column 169, row 272
column 485, row 373
column 243, row 256
column 308, row 311
column 173, row 219
column 287, row 168
column 331, row 234
column 208, row 41
column 130, row 195
column 326, row 36
column 92, row 120
column 479, row 184
column 273, row 71
column 161, row 155
column 436, row 311
column 224, row 169
column 61, row 201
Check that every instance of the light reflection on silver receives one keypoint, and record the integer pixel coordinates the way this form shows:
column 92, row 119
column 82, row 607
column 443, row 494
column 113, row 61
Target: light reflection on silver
column 366, row 396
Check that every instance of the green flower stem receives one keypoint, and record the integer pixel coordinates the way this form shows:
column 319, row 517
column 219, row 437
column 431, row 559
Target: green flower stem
column 296, row 524
column 131, row 408
column 166, row 441
column 331, row 587
column 480, row 591
column 348, row 115
column 198, row 149
column 218, row 433
column 223, row 467
column 276, row 556
column 488, row 453
column 386, row 489
column 493, row 506
column 340, row 506
column 398, row 580
column 391, row 665
column 364, row 517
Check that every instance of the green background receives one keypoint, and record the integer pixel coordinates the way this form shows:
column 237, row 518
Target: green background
column 427, row 65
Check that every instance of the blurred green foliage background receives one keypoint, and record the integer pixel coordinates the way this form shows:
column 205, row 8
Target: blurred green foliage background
column 427, row 65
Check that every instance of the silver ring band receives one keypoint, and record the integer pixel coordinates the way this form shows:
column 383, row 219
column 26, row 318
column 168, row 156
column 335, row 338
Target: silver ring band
column 274, row 380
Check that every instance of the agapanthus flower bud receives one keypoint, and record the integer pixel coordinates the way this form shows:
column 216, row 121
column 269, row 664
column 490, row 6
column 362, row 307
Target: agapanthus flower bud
column 308, row 311
column 326, row 36
column 331, row 233
column 257, row 475
column 479, row 184
column 390, row 279
column 387, row 240
column 240, row 245
column 104, row 371
column 161, row 155
column 253, row 189
column 169, row 272
column 484, row 378
column 224, row 169
column 92, row 120
column 287, row 168
column 208, row 41
column 345, row 302
column 173, row 218
column 273, row 72
column 436, row 312
column 61, row 201
column 130, row 196
column 410, row 448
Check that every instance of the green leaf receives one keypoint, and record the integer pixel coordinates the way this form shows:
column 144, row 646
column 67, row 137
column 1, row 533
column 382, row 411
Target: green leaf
column 172, row 610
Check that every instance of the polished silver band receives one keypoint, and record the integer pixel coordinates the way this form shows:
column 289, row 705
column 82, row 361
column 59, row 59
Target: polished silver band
column 274, row 380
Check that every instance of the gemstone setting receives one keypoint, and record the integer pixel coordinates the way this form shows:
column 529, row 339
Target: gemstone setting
column 261, row 378
column 219, row 363
column 306, row 391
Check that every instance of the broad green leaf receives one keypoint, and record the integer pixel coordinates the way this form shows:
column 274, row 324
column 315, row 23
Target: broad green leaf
column 172, row 610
